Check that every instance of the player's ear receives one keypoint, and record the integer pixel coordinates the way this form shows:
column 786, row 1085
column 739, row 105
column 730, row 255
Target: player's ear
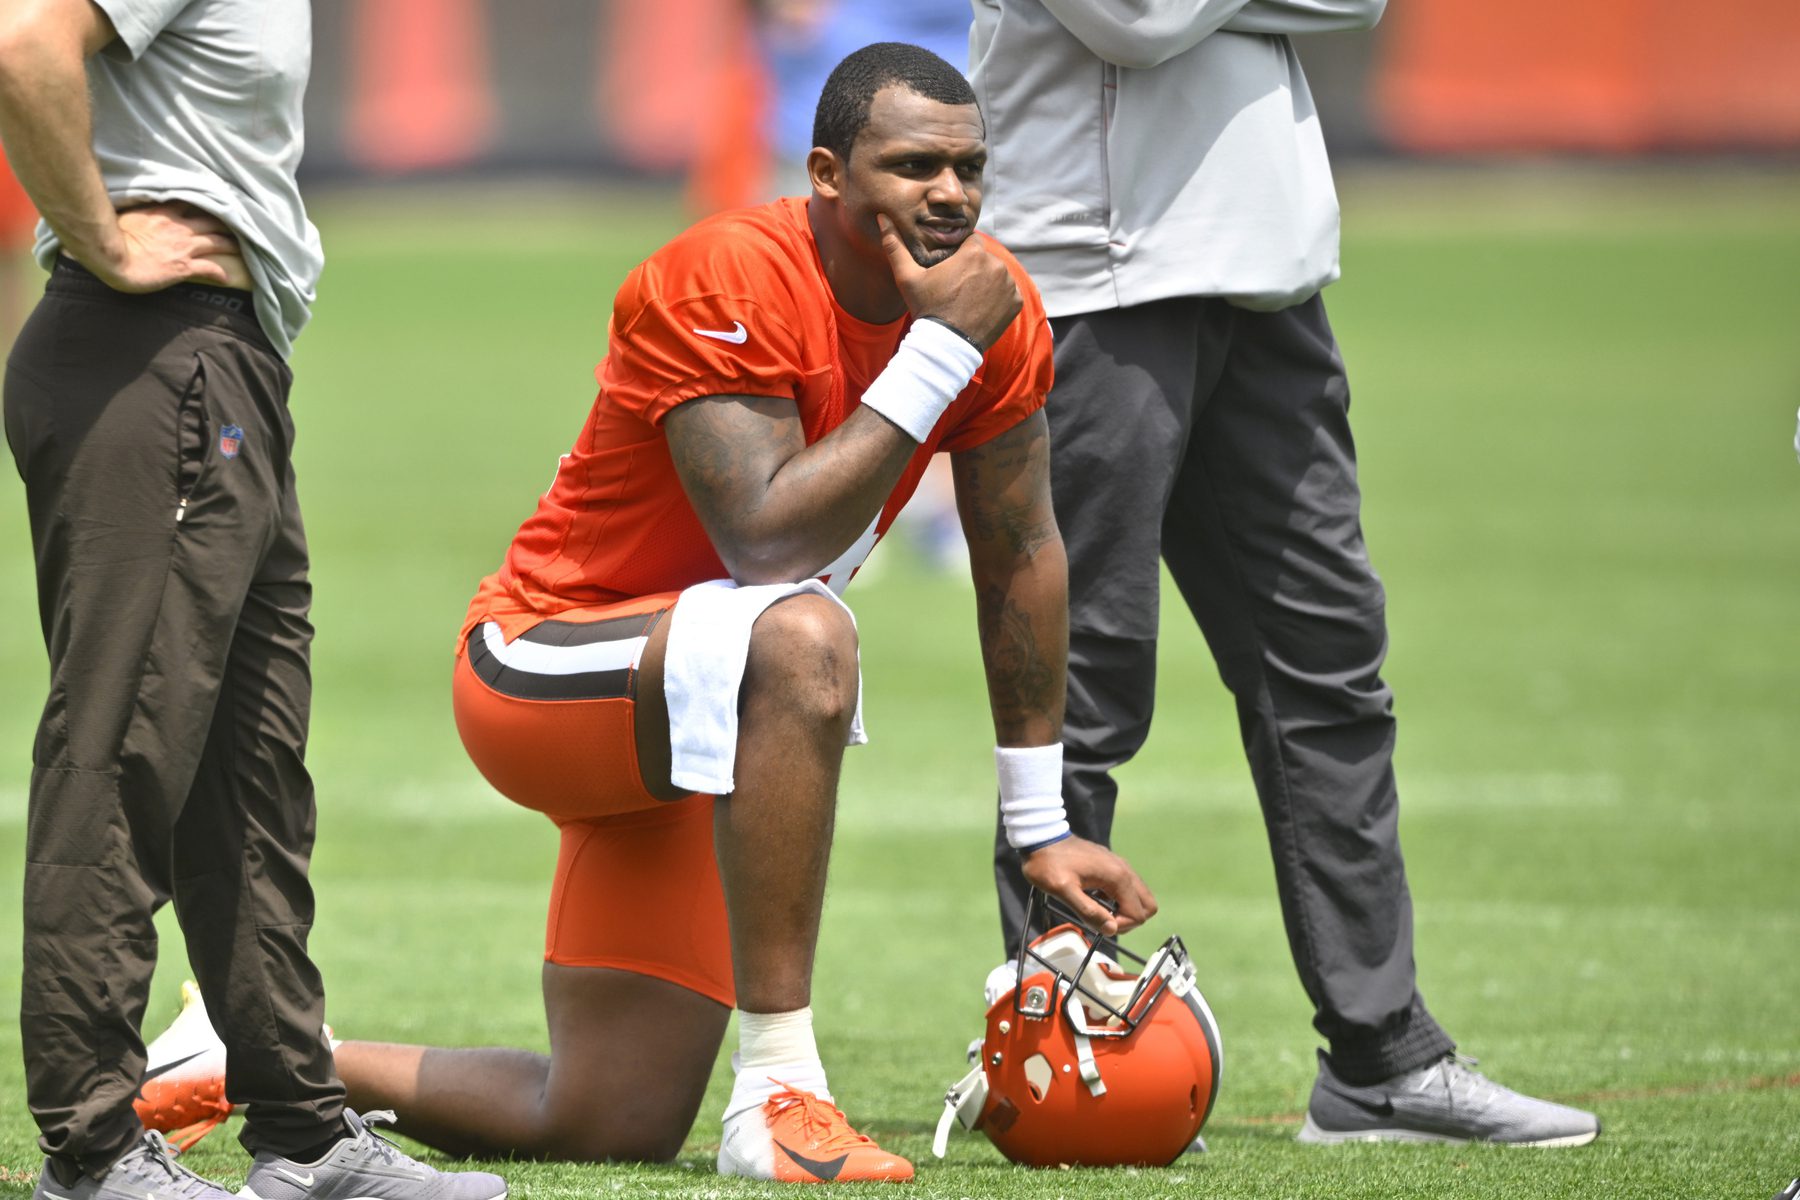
column 826, row 171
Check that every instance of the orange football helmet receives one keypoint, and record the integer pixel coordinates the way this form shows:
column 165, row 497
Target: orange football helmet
column 1088, row 1064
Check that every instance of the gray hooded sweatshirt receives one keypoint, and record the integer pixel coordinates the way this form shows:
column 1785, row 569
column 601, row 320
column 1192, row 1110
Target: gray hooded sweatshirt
column 1146, row 149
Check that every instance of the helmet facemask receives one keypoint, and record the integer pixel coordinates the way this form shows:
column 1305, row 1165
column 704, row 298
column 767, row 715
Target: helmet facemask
column 1113, row 1001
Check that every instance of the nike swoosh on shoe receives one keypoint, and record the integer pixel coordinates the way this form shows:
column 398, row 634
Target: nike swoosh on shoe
column 153, row 1072
column 827, row 1170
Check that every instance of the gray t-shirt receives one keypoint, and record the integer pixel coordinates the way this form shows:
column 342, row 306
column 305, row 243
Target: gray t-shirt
column 199, row 101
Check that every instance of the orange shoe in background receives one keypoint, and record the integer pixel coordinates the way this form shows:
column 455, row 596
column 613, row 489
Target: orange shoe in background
column 183, row 1094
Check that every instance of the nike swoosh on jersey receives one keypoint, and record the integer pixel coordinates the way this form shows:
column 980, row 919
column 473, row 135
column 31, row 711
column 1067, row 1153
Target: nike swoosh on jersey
column 737, row 335
column 827, row 1170
column 153, row 1072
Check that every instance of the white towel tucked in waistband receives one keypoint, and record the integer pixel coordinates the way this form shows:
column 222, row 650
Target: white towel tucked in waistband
column 709, row 640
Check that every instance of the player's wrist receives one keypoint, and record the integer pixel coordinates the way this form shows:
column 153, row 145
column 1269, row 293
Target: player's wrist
column 957, row 330
column 1028, row 851
column 930, row 369
column 1032, row 813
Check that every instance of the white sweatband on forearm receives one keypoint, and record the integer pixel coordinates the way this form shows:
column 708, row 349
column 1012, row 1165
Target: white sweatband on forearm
column 1031, row 805
column 930, row 369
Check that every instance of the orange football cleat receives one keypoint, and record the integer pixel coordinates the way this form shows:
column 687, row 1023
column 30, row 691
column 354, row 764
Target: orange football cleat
column 183, row 1094
column 796, row 1137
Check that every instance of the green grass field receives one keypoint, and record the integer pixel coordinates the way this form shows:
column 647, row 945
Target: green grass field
column 1575, row 408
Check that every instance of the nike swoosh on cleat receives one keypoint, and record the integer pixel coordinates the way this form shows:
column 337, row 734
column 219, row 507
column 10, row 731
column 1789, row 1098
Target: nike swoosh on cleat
column 737, row 335
column 153, row 1072
column 305, row 1180
column 827, row 1170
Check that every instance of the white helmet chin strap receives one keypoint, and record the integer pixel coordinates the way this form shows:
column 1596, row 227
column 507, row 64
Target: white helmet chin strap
column 963, row 1103
column 1084, row 1046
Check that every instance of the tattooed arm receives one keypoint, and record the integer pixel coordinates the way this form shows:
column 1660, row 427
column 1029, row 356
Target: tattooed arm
column 1021, row 579
column 1022, row 604
column 776, row 509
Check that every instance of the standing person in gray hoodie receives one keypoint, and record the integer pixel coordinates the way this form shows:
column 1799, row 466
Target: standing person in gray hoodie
column 1159, row 169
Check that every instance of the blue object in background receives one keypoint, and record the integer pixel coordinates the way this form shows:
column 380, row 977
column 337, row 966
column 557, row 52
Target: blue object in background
column 804, row 41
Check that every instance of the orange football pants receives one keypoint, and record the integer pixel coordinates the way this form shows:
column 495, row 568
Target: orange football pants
column 637, row 887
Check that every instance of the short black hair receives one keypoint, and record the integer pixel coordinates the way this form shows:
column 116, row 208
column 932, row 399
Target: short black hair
column 843, row 110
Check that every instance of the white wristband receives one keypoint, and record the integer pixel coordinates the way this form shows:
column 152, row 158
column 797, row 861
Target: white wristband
column 930, row 369
column 1031, row 806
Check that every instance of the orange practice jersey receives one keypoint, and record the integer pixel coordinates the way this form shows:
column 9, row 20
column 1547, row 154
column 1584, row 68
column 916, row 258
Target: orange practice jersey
column 737, row 305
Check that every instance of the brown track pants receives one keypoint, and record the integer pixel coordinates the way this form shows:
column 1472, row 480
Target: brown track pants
column 153, row 436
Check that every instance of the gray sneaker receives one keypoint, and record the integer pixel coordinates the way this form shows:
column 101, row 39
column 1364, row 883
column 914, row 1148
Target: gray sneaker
column 148, row 1171
column 1443, row 1101
column 365, row 1167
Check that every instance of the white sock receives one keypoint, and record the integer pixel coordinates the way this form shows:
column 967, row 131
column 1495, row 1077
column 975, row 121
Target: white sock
column 775, row 1050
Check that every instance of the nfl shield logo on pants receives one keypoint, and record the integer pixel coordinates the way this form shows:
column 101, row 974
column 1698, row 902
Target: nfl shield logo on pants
column 231, row 438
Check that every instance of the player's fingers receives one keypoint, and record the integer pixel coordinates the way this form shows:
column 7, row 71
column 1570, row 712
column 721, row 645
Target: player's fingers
column 900, row 259
column 1131, row 913
column 1136, row 902
column 1126, row 914
column 1132, row 900
column 1147, row 900
column 972, row 260
column 1093, row 914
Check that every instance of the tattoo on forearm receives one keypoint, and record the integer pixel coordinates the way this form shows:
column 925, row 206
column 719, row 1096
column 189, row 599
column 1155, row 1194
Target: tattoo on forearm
column 1021, row 453
column 1021, row 682
column 1011, row 453
column 1023, row 529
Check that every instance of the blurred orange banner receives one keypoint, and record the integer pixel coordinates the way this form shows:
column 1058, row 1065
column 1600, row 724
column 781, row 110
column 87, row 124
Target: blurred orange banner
column 1589, row 75
column 420, row 95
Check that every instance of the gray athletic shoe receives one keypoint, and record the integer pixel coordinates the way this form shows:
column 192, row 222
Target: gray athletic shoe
column 365, row 1167
column 148, row 1171
column 1443, row 1101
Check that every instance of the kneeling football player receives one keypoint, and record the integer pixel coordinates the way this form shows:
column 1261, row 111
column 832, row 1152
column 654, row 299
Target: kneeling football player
column 662, row 665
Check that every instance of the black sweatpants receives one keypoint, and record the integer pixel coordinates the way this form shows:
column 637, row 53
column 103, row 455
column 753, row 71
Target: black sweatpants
column 1219, row 439
column 153, row 436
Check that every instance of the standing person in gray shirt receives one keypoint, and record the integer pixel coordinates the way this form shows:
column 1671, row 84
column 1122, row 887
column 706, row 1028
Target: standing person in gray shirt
column 146, row 408
column 1158, row 168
